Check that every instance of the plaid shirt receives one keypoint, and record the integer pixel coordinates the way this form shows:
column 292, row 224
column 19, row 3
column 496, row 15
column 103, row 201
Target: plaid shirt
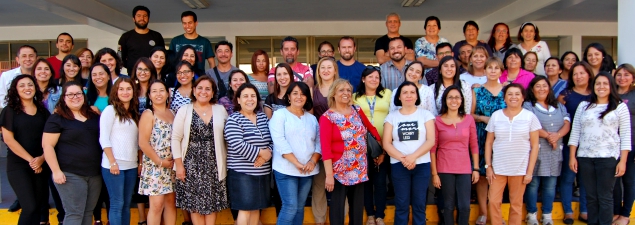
column 391, row 77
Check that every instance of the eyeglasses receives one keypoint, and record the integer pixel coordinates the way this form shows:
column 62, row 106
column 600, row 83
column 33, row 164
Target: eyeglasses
column 501, row 31
column 143, row 70
column 74, row 95
column 326, row 52
column 446, row 53
column 184, row 72
column 371, row 67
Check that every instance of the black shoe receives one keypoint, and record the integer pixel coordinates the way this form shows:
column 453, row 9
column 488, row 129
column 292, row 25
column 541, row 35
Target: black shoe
column 568, row 221
column 15, row 206
column 582, row 219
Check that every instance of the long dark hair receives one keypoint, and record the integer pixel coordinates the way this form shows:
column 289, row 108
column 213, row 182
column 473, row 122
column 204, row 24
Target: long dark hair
column 492, row 40
column 276, row 86
column 13, row 99
column 444, row 101
column 52, row 84
column 564, row 55
column 167, row 67
column 531, row 97
column 76, row 61
column 112, row 53
column 230, row 91
column 92, row 93
column 457, row 80
column 179, row 58
column 587, row 68
column 132, row 113
column 176, row 71
column 607, row 64
column 65, row 112
column 149, row 104
column 133, row 73
column 614, row 98
column 361, row 88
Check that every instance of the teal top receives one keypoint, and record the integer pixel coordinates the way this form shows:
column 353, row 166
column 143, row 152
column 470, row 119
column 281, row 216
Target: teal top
column 101, row 103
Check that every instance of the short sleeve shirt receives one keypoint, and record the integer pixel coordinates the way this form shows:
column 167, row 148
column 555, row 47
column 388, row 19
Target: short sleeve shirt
column 300, row 72
column 382, row 43
column 274, row 103
column 427, row 49
column 27, row 131
column 409, row 132
column 352, row 73
column 203, row 48
column 134, row 45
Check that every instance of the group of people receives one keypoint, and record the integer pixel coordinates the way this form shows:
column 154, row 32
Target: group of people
column 489, row 115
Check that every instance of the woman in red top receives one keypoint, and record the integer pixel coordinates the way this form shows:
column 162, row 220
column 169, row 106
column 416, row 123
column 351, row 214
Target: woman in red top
column 343, row 130
column 456, row 139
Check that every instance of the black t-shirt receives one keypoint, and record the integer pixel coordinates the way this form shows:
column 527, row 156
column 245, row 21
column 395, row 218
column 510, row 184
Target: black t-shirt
column 27, row 131
column 134, row 46
column 274, row 103
column 78, row 150
column 382, row 43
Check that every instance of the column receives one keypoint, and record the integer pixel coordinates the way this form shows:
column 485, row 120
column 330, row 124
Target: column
column 625, row 33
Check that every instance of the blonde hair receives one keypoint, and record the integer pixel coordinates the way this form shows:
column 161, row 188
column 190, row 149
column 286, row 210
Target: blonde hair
column 495, row 60
column 317, row 76
column 470, row 67
column 333, row 90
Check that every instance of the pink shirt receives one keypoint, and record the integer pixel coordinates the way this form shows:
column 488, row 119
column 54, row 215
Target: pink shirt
column 299, row 70
column 453, row 145
column 523, row 78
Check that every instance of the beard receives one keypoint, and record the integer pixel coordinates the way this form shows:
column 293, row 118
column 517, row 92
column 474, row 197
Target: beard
column 289, row 60
column 346, row 56
column 397, row 59
column 141, row 26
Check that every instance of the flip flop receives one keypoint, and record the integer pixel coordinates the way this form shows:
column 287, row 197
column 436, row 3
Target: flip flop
column 481, row 220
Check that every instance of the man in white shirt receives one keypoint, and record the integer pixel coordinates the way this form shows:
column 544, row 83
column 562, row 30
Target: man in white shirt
column 26, row 57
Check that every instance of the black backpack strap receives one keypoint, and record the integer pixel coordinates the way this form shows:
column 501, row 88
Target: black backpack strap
column 222, row 89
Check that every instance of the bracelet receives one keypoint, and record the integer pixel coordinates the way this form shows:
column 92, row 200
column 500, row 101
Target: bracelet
column 314, row 163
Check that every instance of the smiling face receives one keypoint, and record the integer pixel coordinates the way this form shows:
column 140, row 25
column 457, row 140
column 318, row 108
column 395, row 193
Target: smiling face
column 552, row 68
column 624, row 79
column 203, row 91
column 392, row 24
column 602, row 87
column 158, row 59
column 110, row 62
column 70, row 69
column 327, row 70
column 26, row 89
column 248, row 100
column 235, row 80
column 64, row 44
column 528, row 33
column 580, row 76
column 74, row 97
column 514, row 97
column 158, row 94
column 408, row 95
column 86, row 58
column 125, row 92
column 372, row 81
column 432, row 28
column 100, row 77
column 530, row 62
column 189, row 25
column 569, row 60
column 223, row 54
column 346, row 49
column 471, row 33
column 343, row 93
column 414, row 73
column 513, row 62
column 453, row 100
column 541, row 90
column 594, row 57
column 26, row 58
column 42, row 72
column 283, row 77
column 501, row 33
column 189, row 55
column 184, row 75
column 478, row 59
column 396, row 50
column 448, row 69
column 143, row 73
column 493, row 71
column 297, row 98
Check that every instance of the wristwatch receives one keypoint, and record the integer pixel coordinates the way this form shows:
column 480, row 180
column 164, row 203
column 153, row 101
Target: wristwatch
column 487, row 166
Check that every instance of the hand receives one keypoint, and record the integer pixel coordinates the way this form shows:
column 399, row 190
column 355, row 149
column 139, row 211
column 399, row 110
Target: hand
column 329, row 183
column 59, row 177
column 489, row 175
column 36, row 162
column 408, row 161
column 265, row 153
column 139, row 168
column 168, row 163
column 259, row 162
column 554, row 145
column 620, row 169
column 527, row 179
column 436, row 181
column 38, row 170
column 553, row 137
column 573, row 165
column 475, row 177
column 309, row 166
column 114, row 169
column 180, row 173
column 379, row 159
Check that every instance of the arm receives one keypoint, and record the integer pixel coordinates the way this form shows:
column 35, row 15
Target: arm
column 533, row 155
column 561, row 99
column 325, row 141
column 410, row 54
column 473, row 109
column 489, row 143
column 178, row 127
column 106, row 122
column 145, row 131
column 268, row 112
column 235, row 141
column 49, row 140
column 428, row 63
column 381, row 56
column 3, row 88
column 211, row 62
column 625, row 138
column 433, row 160
column 387, row 143
column 14, row 146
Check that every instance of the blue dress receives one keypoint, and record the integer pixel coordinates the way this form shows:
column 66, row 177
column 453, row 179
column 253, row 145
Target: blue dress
column 486, row 105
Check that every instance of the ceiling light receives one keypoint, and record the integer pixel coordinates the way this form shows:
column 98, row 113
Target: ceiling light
column 196, row 4
column 412, row 3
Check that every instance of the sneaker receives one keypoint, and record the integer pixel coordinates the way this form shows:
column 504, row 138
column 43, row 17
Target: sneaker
column 15, row 206
column 380, row 221
column 370, row 220
column 531, row 219
column 546, row 219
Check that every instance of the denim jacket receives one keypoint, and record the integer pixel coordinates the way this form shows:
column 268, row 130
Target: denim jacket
column 54, row 97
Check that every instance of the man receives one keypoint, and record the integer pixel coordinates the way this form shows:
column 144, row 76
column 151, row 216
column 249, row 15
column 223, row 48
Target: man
column 349, row 68
column 393, row 22
column 464, row 55
column 325, row 49
column 290, row 51
column 393, row 71
column 221, row 72
column 442, row 50
column 25, row 56
column 190, row 37
column 470, row 31
column 139, row 41
column 64, row 45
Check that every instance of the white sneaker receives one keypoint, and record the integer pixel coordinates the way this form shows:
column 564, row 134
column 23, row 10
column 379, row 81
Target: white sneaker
column 380, row 221
column 546, row 219
column 531, row 219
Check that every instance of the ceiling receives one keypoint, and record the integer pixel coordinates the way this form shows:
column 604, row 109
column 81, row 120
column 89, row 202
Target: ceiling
column 55, row 12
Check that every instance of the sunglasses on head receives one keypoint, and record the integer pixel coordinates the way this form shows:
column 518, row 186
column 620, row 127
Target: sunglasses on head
column 371, row 67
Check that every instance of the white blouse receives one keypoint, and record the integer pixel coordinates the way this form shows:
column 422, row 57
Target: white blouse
column 542, row 50
column 290, row 134
column 601, row 138
column 121, row 137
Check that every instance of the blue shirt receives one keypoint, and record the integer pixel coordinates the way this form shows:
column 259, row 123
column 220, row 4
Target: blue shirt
column 352, row 73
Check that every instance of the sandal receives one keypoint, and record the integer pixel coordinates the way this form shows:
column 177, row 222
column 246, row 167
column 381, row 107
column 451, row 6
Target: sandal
column 481, row 220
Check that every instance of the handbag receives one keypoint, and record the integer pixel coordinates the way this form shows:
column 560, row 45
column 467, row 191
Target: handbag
column 372, row 145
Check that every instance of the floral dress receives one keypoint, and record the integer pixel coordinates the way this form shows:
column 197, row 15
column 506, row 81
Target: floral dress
column 351, row 168
column 155, row 179
column 486, row 104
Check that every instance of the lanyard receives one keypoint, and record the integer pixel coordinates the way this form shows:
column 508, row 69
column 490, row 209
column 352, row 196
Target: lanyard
column 372, row 107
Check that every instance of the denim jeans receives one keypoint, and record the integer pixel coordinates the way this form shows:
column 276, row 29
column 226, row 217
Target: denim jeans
column 456, row 188
column 567, row 177
column 628, row 189
column 293, row 192
column 548, row 190
column 599, row 180
column 376, row 188
column 411, row 188
column 120, row 190
column 79, row 196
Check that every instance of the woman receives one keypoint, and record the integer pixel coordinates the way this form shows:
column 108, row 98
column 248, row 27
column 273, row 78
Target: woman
column 72, row 151
column 529, row 38
column 98, row 88
column 181, row 93
column 408, row 151
column 455, row 141
column 343, row 141
column 531, row 60
column 160, row 61
column 475, row 74
column 600, row 142
column 511, row 149
column 157, row 176
column 414, row 74
column 248, row 156
column 553, row 70
column 188, row 54
column 283, row 79
column 622, row 211
column 45, row 78
column 375, row 101
column 144, row 72
column 500, row 40
column 22, row 122
column 425, row 47
column 86, row 58
column 296, row 158
column 236, row 79
column 568, row 59
column 199, row 153
column 260, row 68
column 71, row 67
column 489, row 99
column 596, row 56
column 118, row 136
column 556, row 123
column 514, row 72
column 109, row 57
column 448, row 76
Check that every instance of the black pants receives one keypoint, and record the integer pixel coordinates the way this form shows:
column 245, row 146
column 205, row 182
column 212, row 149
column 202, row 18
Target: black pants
column 355, row 195
column 32, row 192
column 103, row 199
column 456, row 188
column 599, row 180
column 624, row 192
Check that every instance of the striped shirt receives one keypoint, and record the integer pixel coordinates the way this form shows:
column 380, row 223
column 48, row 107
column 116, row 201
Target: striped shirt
column 244, row 141
column 601, row 138
column 391, row 76
column 511, row 141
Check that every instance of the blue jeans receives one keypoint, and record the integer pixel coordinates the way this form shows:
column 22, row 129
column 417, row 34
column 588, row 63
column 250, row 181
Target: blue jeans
column 411, row 188
column 120, row 189
column 293, row 192
column 548, row 190
column 567, row 177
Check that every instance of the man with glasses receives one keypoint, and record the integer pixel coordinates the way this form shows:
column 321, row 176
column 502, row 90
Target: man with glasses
column 64, row 45
column 202, row 46
column 139, row 41
column 442, row 50
column 393, row 22
column 325, row 49
column 393, row 71
column 221, row 72
column 290, row 52
column 349, row 68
